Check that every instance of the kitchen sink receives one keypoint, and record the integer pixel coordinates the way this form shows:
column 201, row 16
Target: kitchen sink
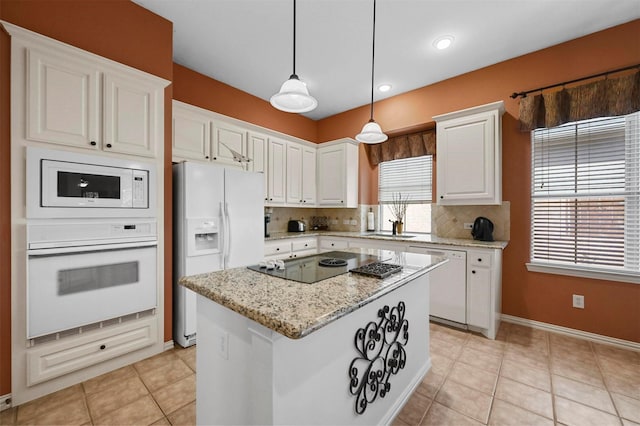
column 389, row 235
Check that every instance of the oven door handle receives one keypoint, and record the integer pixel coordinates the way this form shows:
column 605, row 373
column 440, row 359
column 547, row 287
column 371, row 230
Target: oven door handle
column 90, row 248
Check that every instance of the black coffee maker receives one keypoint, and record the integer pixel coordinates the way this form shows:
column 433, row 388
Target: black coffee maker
column 482, row 229
column 267, row 219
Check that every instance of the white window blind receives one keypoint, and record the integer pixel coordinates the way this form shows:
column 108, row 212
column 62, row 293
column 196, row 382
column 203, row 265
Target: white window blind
column 586, row 194
column 409, row 176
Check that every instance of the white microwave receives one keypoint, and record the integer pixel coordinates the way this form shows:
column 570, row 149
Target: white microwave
column 67, row 184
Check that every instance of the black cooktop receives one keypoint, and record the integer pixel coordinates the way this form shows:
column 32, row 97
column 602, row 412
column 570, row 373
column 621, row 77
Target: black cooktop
column 318, row 267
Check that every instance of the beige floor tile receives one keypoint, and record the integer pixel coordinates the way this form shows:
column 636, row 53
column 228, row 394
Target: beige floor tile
column 8, row 416
column 526, row 357
column 533, row 333
column 465, row 400
column 483, row 344
column 184, row 416
column 445, row 348
column 163, row 422
column 398, row 422
column 538, row 378
column 567, row 342
column 631, row 370
column 106, row 380
column 505, row 414
column 626, row 422
column 527, row 397
column 440, row 364
column 482, row 360
column 573, row 413
column 49, row 402
column 439, row 415
column 538, row 344
column 189, row 357
column 619, row 383
column 473, row 377
column 71, row 412
column 154, row 362
column 144, row 411
column 613, row 352
column 580, row 392
column 451, row 335
column 628, row 408
column 584, row 358
column 176, row 395
column 430, row 384
column 173, row 370
column 577, row 371
column 415, row 409
column 117, row 395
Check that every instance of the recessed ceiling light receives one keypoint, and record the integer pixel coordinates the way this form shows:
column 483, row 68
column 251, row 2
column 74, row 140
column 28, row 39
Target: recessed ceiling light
column 384, row 87
column 443, row 42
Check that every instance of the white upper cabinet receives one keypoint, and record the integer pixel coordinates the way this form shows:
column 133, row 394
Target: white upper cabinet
column 191, row 133
column 228, row 138
column 276, row 173
column 74, row 101
column 338, row 174
column 469, row 149
column 309, row 176
column 257, row 151
column 294, row 174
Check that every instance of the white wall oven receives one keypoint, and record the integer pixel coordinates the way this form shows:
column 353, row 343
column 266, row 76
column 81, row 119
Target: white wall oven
column 63, row 184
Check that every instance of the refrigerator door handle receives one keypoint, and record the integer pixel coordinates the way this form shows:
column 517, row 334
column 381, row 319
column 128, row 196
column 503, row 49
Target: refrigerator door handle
column 223, row 233
column 227, row 239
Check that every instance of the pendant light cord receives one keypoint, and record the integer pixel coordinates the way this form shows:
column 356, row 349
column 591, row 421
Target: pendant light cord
column 294, row 37
column 373, row 56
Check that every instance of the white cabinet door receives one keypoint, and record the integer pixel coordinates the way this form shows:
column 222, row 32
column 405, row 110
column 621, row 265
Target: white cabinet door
column 479, row 312
column 191, row 134
column 337, row 175
column 308, row 176
column 63, row 100
column 294, row 173
column 277, row 172
column 257, row 152
column 130, row 115
column 469, row 156
column 227, row 137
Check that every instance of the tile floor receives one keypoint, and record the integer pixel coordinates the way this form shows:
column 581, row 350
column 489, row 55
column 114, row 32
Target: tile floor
column 524, row 377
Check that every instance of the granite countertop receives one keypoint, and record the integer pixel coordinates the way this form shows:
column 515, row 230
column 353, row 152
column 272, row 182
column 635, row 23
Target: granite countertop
column 404, row 238
column 296, row 309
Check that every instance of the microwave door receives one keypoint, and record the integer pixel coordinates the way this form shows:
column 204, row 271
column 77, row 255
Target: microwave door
column 66, row 184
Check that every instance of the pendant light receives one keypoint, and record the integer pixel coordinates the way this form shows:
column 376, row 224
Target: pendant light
column 371, row 132
column 294, row 95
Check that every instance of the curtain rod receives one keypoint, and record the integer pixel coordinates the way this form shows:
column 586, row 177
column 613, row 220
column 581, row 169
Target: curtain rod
column 524, row 94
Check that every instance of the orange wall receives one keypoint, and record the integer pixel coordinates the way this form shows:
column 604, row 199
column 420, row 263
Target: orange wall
column 611, row 309
column 197, row 89
column 116, row 29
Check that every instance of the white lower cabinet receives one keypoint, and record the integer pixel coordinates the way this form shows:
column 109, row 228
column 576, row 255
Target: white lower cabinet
column 330, row 244
column 482, row 306
column 289, row 248
column 49, row 360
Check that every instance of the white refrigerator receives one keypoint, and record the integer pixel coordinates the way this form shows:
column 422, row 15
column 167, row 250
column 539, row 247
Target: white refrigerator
column 218, row 224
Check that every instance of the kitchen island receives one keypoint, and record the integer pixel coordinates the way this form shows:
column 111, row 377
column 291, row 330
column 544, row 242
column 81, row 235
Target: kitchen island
column 345, row 350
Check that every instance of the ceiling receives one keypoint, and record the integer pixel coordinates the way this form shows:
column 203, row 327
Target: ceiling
column 248, row 43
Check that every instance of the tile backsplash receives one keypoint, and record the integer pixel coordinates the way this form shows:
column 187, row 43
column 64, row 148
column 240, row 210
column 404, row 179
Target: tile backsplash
column 448, row 221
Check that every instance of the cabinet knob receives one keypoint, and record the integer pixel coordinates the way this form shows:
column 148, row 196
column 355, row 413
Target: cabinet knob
column 206, row 156
column 93, row 143
column 341, row 201
column 215, row 158
column 277, row 248
column 270, row 199
column 473, row 272
column 108, row 145
column 442, row 197
column 479, row 260
column 103, row 347
column 332, row 244
column 300, row 200
column 306, row 245
column 304, row 201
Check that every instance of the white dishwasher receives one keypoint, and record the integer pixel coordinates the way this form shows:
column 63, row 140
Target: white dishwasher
column 448, row 284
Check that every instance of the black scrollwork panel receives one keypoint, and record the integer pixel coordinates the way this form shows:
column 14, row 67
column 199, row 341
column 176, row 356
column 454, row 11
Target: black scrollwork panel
column 381, row 354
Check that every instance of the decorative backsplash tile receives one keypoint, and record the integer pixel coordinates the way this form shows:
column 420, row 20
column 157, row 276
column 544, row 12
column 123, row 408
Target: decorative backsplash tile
column 337, row 219
column 448, row 221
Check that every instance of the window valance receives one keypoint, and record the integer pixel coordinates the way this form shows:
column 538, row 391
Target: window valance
column 613, row 96
column 403, row 146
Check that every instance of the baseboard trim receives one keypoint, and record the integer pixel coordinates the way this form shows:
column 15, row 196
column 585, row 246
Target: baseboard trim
column 572, row 332
column 5, row 401
column 168, row 345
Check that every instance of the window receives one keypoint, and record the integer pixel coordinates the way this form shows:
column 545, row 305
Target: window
column 410, row 177
column 585, row 195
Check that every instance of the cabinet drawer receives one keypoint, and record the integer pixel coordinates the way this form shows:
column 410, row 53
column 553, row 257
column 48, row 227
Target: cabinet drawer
column 333, row 244
column 277, row 248
column 306, row 244
column 51, row 360
column 476, row 258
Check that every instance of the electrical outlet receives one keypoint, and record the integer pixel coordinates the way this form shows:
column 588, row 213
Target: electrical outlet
column 354, row 222
column 468, row 226
column 578, row 301
column 334, row 222
column 345, row 221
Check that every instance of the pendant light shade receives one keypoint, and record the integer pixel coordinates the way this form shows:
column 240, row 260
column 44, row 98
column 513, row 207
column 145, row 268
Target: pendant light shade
column 371, row 132
column 294, row 95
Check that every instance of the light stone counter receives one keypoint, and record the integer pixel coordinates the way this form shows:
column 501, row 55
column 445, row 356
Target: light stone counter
column 296, row 309
column 404, row 238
